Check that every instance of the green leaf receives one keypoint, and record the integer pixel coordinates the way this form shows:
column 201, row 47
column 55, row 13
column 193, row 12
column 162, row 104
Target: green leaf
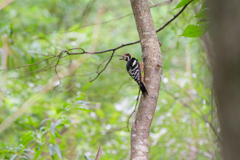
column 59, row 121
column 81, row 96
column 51, row 150
column 69, row 119
column 58, row 151
column 13, row 157
column 60, row 110
column 202, row 14
column 81, row 102
column 202, row 22
column 204, row 6
column 74, row 27
column 182, row 3
column 58, row 135
column 26, row 138
column 85, row 87
column 38, row 152
column 52, row 127
column 84, row 109
column 27, row 155
column 65, row 105
column 31, row 122
column 45, row 120
column 195, row 1
column 194, row 30
column 100, row 113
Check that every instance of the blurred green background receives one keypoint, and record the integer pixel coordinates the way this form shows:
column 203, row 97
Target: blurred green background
column 72, row 120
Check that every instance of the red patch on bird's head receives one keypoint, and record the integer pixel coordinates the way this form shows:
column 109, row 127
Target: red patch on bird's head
column 126, row 57
column 127, row 54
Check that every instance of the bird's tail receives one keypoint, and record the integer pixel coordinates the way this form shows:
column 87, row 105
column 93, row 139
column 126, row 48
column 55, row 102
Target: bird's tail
column 143, row 89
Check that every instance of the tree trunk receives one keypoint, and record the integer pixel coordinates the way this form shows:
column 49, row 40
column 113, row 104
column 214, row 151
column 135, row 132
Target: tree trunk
column 152, row 59
column 225, row 33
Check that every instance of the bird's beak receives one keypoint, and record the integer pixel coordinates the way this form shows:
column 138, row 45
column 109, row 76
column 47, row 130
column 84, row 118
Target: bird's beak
column 121, row 58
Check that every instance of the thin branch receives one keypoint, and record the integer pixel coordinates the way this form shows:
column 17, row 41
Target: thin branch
column 196, row 150
column 102, row 63
column 87, row 74
column 108, row 50
column 201, row 116
column 112, row 49
column 174, row 17
column 41, row 54
column 43, row 69
column 133, row 110
column 46, row 67
column 135, row 42
column 76, row 49
column 215, row 131
column 34, row 98
column 88, row 25
column 28, row 64
column 57, row 73
column 99, row 52
column 99, row 153
column 98, row 73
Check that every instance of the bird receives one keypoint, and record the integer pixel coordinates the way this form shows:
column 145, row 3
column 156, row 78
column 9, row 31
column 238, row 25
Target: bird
column 134, row 70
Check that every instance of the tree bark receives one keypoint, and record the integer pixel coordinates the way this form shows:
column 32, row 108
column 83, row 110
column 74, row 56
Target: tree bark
column 224, row 29
column 152, row 59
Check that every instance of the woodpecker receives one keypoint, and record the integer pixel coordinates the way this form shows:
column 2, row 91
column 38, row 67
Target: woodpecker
column 134, row 70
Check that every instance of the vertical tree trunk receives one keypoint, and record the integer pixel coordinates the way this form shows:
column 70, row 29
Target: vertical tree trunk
column 225, row 32
column 152, row 60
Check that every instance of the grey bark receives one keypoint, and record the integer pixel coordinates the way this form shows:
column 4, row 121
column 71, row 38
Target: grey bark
column 152, row 59
column 225, row 34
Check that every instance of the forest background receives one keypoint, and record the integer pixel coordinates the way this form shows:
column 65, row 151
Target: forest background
column 44, row 118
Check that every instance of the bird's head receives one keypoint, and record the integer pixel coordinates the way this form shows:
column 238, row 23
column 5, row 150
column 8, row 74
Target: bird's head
column 126, row 57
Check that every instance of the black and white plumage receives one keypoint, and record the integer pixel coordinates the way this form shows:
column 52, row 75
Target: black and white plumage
column 134, row 70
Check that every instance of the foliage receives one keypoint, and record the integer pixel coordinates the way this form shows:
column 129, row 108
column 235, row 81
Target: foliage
column 72, row 120
column 202, row 24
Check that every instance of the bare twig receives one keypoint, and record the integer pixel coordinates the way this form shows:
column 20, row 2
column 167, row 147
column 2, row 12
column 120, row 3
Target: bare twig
column 133, row 110
column 102, row 63
column 99, row 153
column 88, row 25
column 38, row 71
column 201, row 116
column 98, row 52
column 87, row 10
column 43, row 67
column 98, row 73
column 37, row 96
column 174, row 17
column 108, row 50
column 76, row 49
column 196, row 150
column 57, row 73
column 28, row 64
column 135, row 42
